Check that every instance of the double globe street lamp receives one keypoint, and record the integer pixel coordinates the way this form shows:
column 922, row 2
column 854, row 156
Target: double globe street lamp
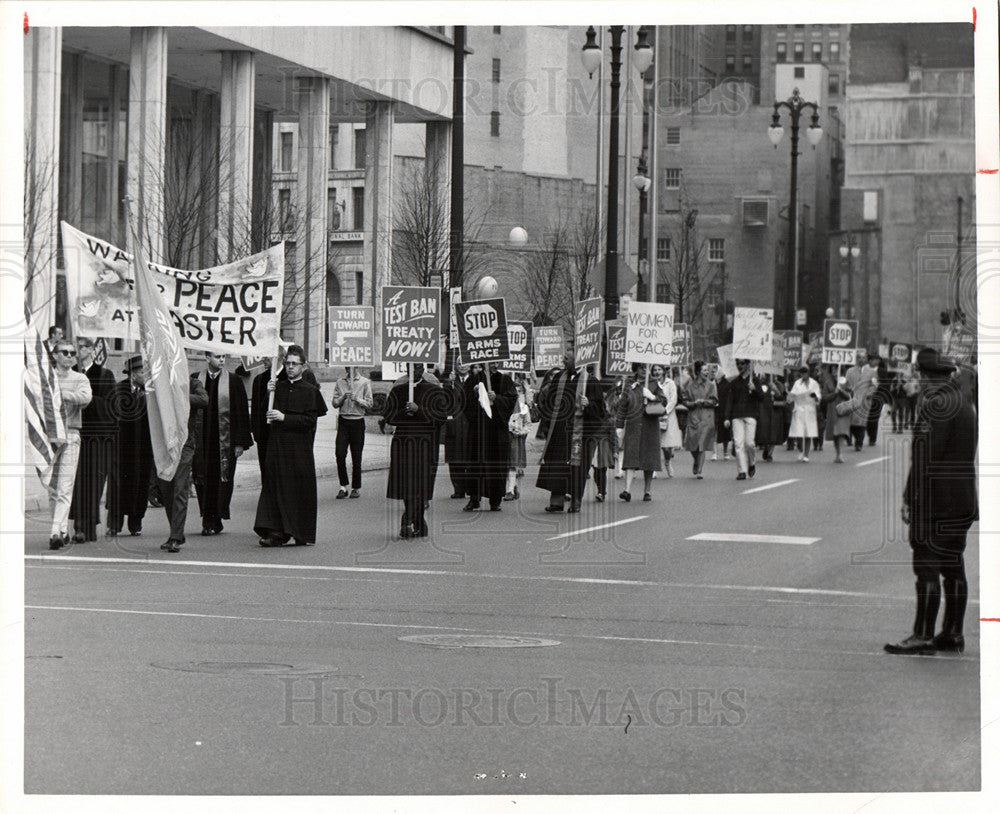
column 795, row 107
column 591, row 56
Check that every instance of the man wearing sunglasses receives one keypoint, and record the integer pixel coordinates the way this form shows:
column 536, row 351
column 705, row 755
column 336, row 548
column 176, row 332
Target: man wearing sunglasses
column 74, row 388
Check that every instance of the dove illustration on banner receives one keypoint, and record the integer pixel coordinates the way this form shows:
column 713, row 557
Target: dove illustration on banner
column 90, row 308
column 256, row 269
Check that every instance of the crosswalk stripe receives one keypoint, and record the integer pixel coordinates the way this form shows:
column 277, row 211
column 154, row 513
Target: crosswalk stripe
column 873, row 461
column 754, row 538
column 770, row 486
column 597, row 528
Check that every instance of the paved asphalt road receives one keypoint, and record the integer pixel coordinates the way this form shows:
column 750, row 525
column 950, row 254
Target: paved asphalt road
column 659, row 663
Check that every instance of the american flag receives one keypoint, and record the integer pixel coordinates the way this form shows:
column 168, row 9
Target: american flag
column 45, row 427
column 167, row 385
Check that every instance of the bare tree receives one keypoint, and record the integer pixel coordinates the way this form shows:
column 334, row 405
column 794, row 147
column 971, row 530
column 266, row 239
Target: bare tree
column 39, row 229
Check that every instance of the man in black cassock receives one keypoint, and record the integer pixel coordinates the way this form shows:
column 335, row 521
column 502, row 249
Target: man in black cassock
column 259, row 393
column 97, row 444
column 456, row 430
column 413, row 452
column 286, row 508
column 571, row 412
column 223, row 435
column 128, row 479
column 488, row 435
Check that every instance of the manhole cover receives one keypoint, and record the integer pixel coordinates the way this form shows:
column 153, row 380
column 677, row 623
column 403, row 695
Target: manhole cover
column 466, row 640
column 244, row 667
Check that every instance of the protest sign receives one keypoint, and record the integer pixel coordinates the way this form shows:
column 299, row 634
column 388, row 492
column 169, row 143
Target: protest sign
column 587, row 332
column 100, row 351
column 752, row 330
column 815, row 352
column 683, row 346
column 549, row 348
column 793, row 349
column 899, row 354
column 840, row 341
column 352, row 335
column 231, row 309
column 776, row 364
column 727, row 363
column 959, row 343
column 410, row 324
column 649, row 333
column 614, row 363
column 253, row 364
column 482, row 331
column 519, row 342
column 454, row 296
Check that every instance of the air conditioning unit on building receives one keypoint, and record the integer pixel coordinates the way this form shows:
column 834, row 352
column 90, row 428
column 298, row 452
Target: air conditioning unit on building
column 755, row 212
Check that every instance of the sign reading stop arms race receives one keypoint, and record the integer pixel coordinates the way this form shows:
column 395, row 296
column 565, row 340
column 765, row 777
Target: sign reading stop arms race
column 482, row 331
column 519, row 340
column 840, row 341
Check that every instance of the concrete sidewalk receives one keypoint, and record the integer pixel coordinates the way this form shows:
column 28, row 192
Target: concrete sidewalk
column 375, row 457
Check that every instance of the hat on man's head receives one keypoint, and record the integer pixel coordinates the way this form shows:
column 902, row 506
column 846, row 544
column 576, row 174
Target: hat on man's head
column 930, row 361
column 132, row 363
column 803, row 369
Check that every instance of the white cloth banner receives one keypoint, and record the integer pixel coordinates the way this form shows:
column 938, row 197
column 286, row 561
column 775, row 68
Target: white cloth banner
column 231, row 309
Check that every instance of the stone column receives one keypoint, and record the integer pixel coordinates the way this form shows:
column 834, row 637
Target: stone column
column 147, row 130
column 236, row 154
column 378, row 202
column 309, row 300
column 42, row 78
column 437, row 165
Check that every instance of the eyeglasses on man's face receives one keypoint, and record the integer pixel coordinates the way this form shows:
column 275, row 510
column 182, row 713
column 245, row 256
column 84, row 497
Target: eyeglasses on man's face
column 65, row 352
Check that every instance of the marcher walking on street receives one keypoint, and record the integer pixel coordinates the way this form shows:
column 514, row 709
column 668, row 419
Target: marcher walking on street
column 838, row 417
column 670, row 431
column 489, row 436
column 132, row 470
column 939, row 510
column 742, row 408
column 639, row 413
column 176, row 492
column 805, row 397
column 701, row 398
column 519, row 425
column 352, row 396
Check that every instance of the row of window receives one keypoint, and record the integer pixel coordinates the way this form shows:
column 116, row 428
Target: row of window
column 286, row 150
column 799, row 51
column 716, row 249
column 748, row 32
column 335, row 210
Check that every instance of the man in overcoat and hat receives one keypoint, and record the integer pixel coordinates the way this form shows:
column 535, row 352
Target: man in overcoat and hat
column 939, row 505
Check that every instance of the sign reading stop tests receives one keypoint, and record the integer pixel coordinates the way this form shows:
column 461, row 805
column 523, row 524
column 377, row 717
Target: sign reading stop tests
column 840, row 341
column 519, row 339
column 482, row 331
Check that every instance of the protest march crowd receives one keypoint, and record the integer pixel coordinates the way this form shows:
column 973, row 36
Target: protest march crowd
column 148, row 437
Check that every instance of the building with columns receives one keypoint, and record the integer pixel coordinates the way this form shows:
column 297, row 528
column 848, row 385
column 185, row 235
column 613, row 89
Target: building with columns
column 182, row 121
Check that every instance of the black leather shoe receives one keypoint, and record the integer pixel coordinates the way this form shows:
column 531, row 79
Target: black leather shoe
column 626, row 496
column 553, row 509
column 342, row 493
column 574, row 508
column 949, row 643
column 55, row 542
column 406, row 532
column 303, row 542
column 494, row 508
column 751, row 471
column 741, row 476
column 172, row 546
column 78, row 537
column 471, row 506
column 647, row 497
column 458, row 496
column 206, row 532
column 911, row 646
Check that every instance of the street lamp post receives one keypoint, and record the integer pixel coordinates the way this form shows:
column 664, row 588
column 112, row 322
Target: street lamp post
column 591, row 57
column 794, row 105
column 642, row 182
column 850, row 252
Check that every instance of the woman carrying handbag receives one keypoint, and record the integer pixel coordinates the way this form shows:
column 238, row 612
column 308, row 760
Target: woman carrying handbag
column 639, row 412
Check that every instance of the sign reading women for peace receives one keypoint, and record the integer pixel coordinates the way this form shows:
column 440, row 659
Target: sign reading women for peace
column 587, row 332
column 649, row 333
column 233, row 309
column 752, row 330
column 411, row 320
column 482, row 331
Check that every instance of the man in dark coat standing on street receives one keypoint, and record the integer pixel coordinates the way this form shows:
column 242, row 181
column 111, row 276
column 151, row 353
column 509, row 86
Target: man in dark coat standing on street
column 175, row 492
column 939, row 505
column 571, row 412
column 221, row 439
column 287, row 505
column 488, row 434
column 259, row 397
column 132, row 468
column 97, row 444
column 414, row 447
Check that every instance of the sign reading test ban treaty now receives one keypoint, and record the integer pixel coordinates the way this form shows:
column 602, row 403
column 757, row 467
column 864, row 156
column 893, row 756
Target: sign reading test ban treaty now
column 482, row 331
column 411, row 319
column 649, row 333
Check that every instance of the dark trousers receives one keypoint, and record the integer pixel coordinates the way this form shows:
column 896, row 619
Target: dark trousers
column 858, row 435
column 174, row 494
column 601, row 479
column 96, row 455
column 575, row 484
column 213, row 499
column 413, row 513
column 350, row 434
column 872, row 428
column 938, row 554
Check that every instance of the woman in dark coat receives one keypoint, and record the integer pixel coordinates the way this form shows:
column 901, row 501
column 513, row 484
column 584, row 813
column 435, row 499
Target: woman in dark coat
column 723, row 435
column 414, row 447
column 287, row 504
column 456, row 433
column 701, row 398
column 641, row 443
column 489, row 435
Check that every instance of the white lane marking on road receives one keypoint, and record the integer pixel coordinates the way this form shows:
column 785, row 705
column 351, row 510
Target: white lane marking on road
column 754, row 538
column 530, row 578
column 597, row 528
column 873, row 461
column 390, row 625
column 770, row 486
column 164, row 571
